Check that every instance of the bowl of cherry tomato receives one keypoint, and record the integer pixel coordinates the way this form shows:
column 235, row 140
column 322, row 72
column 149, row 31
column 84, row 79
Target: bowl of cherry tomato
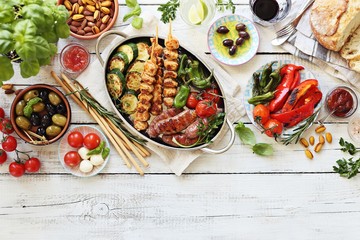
column 84, row 151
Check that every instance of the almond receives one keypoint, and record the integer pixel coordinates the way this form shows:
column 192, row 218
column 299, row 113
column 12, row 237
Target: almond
column 78, row 17
column 304, row 142
column 309, row 154
column 105, row 10
column 106, row 4
column 105, row 19
column 90, row 8
column 321, row 139
column 328, row 137
column 318, row 147
column 68, row 5
column 320, row 129
column 312, row 140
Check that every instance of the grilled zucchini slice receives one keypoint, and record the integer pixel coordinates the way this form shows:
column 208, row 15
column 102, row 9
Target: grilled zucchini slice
column 120, row 61
column 129, row 102
column 137, row 66
column 115, row 82
column 130, row 49
column 143, row 51
column 133, row 80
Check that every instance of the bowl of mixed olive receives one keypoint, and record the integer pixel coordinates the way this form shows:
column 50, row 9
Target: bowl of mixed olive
column 40, row 114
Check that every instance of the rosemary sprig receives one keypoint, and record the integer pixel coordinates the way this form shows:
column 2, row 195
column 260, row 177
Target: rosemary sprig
column 85, row 96
column 299, row 130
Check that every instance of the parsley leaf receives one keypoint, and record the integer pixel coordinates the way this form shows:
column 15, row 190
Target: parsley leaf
column 168, row 10
column 347, row 168
column 348, row 147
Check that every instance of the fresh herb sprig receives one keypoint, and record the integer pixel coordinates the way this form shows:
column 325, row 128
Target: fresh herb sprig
column 247, row 137
column 348, row 147
column 347, row 168
column 228, row 5
column 135, row 12
column 296, row 135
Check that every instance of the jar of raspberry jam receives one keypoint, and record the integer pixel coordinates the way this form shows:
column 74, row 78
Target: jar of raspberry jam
column 74, row 58
column 342, row 100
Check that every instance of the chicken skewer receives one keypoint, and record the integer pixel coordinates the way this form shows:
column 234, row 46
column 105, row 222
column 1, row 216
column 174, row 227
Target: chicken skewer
column 170, row 65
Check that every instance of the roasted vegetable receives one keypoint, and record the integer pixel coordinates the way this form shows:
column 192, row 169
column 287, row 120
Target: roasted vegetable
column 130, row 49
column 120, row 61
column 265, row 75
column 181, row 97
column 129, row 102
column 115, row 82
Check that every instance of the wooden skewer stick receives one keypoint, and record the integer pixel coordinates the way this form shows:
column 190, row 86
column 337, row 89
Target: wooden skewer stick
column 170, row 30
column 82, row 105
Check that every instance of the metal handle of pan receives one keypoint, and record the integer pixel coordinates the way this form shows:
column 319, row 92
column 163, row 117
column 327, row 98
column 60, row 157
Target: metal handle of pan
column 99, row 40
column 231, row 141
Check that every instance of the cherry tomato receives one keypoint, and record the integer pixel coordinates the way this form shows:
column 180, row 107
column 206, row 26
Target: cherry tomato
column 261, row 114
column 5, row 126
column 32, row 165
column 91, row 141
column 273, row 128
column 205, row 108
column 3, row 156
column 211, row 94
column 193, row 100
column 16, row 169
column 2, row 113
column 9, row 143
column 75, row 139
column 72, row 159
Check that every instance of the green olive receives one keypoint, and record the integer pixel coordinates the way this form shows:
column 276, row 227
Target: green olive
column 53, row 130
column 59, row 119
column 19, row 108
column 54, row 99
column 30, row 95
column 38, row 107
column 23, row 122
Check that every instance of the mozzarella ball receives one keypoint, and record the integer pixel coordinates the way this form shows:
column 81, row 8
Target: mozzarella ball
column 86, row 166
column 83, row 151
column 96, row 159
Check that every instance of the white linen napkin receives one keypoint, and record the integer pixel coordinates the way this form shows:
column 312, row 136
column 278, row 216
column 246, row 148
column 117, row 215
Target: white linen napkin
column 93, row 79
column 304, row 45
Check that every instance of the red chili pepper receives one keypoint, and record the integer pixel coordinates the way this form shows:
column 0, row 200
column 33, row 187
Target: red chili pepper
column 280, row 97
column 297, row 93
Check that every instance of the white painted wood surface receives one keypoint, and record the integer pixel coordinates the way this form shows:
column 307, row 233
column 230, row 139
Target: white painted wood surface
column 235, row 195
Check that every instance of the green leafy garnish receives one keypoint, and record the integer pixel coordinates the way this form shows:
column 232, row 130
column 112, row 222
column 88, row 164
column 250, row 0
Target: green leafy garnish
column 228, row 5
column 247, row 137
column 168, row 10
column 348, row 147
column 28, row 110
column 135, row 12
column 347, row 168
column 29, row 31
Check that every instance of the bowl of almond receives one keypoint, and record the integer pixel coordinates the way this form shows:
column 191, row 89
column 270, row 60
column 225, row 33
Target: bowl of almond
column 88, row 19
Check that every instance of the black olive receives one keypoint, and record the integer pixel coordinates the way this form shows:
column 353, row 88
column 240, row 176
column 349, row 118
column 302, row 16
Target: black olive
column 51, row 109
column 41, row 131
column 240, row 27
column 244, row 35
column 232, row 50
column 44, row 95
column 228, row 42
column 239, row 41
column 222, row 29
column 46, row 120
column 35, row 119
column 61, row 108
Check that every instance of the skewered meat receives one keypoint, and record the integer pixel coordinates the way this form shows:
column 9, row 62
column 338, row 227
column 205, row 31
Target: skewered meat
column 170, row 83
column 170, row 92
column 142, row 116
column 145, row 97
column 143, row 107
column 158, row 50
column 150, row 68
column 171, row 65
column 175, row 124
column 147, row 79
column 170, row 74
column 171, row 54
column 172, row 44
column 171, row 112
column 146, row 88
column 140, row 125
column 181, row 138
column 168, row 101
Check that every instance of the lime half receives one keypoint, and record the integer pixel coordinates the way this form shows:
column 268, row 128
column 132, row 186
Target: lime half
column 198, row 12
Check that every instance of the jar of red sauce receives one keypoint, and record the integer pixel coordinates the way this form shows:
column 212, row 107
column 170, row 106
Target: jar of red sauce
column 343, row 100
column 74, row 58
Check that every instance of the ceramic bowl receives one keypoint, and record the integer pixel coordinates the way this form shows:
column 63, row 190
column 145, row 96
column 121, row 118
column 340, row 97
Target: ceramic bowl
column 96, row 32
column 244, row 52
column 354, row 101
column 25, row 136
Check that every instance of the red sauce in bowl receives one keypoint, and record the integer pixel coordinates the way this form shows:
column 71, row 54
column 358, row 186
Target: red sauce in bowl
column 74, row 58
column 341, row 100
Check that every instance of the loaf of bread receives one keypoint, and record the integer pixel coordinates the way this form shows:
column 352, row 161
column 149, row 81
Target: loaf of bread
column 351, row 51
column 334, row 21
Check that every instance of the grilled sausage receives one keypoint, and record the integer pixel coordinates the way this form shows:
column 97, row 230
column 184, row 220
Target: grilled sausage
column 181, row 138
column 171, row 112
column 175, row 124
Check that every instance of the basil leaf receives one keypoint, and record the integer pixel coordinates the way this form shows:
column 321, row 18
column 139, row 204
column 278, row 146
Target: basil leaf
column 62, row 30
column 42, row 47
column 6, row 69
column 35, row 13
column 61, row 14
column 24, row 27
column 137, row 22
column 263, row 149
column 135, row 12
column 26, row 50
column 51, row 37
column 29, row 68
column 131, row 3
column 246, row 135
column 6, row 41
column 6, row 13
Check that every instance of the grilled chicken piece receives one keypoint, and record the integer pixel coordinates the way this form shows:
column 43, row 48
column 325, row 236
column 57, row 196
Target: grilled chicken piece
column 142, row 116
column 170, row 83
column 172, row 44
column 147, row 79
column 138, row 125
column 171, row 65
column 171, row 54
column 169, row 92
column 168, row 101
column 170, row 74
column 150, row 68
column 143, row 97
column 158, row 50
column 146, row 88
column 143, row 107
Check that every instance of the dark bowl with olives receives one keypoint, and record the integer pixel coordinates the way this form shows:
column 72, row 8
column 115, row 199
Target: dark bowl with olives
column 40, row 114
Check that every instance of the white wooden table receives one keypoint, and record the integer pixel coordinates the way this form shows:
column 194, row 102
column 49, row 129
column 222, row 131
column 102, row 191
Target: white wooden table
column 235, row 195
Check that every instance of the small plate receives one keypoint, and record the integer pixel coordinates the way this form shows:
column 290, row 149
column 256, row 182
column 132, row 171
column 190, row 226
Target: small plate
column 64, row 147
column 305, row 74
column 244, row 52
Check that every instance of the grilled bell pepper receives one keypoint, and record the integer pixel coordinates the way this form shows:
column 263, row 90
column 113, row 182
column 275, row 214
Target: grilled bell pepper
column 275, row 80
column 296, row 81
column 265, row 75
column 313, row 92
column 297, row 93
column 256, row 90
column 183, row 70
column 280, row 98
column 264, row 98
column 182, row 95
column 197, row 77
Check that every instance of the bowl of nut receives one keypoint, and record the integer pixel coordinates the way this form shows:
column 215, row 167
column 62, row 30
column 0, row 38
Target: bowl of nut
column 88, row 19
column 40, row 114
column 233, row 40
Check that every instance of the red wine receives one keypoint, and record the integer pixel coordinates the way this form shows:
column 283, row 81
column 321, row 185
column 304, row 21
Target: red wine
column 266, row 9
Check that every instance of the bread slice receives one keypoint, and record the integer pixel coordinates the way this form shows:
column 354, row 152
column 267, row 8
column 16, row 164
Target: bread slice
column 354, row 64
column 333, row 21
column 351, row 49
